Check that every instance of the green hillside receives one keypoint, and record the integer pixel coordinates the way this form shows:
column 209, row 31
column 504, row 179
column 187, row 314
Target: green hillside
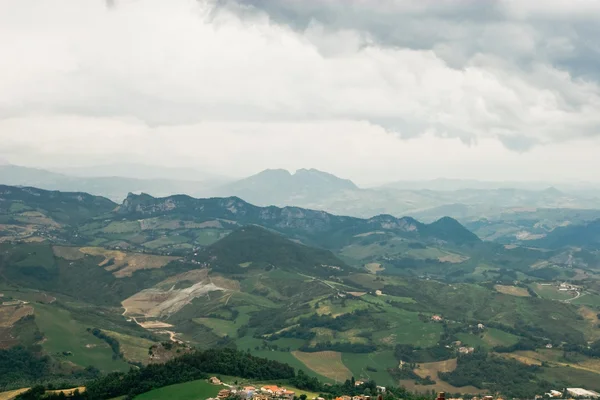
column 333, row 296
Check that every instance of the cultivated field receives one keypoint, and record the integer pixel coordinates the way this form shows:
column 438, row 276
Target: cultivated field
column 326, row 363
column 512, row 290
column 432, row 370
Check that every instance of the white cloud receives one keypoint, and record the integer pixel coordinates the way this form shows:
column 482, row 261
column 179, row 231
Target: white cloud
column 362, row 151
column 178, row 83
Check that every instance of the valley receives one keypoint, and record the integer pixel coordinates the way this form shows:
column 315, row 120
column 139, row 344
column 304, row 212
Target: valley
column 87, row 282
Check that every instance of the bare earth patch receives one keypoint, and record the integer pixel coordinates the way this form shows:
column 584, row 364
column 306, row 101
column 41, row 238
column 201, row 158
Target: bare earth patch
column 164, row 300
column 512, row 290
column 357, row 294
column 11, row 314
column 326, row 363
column 528, row 359
column 11, row 394
column 589, row 314
column 121, row 263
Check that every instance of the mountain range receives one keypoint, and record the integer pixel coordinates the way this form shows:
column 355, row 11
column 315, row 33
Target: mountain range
column 313, row 189
column 87, row 281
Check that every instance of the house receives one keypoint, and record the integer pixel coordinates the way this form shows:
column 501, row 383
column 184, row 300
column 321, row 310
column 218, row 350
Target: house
column 287, row 394
column 358, row 383
column 549, row 346
column 466, row 350
column 249, row 389
column 436, row 318
column 223, row 393
column 214, row 380
column 378, row 293
column 480, row 327
column 554, row 393
column 271, row 389
column 381, row 389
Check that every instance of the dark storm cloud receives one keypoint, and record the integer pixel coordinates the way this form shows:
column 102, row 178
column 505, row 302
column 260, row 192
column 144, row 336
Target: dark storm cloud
column 455, row 30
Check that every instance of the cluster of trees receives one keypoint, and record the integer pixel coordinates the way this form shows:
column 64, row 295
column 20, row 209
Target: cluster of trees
column 305, row 382
column 112, row 342
column 22, row 367
column 18, row 364
column 496, row 374
column 592, row 350
column 188, row 367
column 412, row 354
column 342, row 347
column 522, row 345
column 342, row 323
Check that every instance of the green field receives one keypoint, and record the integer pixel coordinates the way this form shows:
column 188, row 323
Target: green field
column 250, row 343
column 194, row 390
column 573, row 376
column 133, row 348
column 65, row 334
column 405, row 327
column 220, row 327
column 551, row 292
column 488, row 339
column 362, row 366
column 588, row 299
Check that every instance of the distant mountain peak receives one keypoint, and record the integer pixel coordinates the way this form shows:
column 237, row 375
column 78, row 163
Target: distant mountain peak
column 553, row 191
column 280, row 187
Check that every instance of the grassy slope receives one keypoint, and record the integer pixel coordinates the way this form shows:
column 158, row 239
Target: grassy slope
column 63, row 334
column 194, row 390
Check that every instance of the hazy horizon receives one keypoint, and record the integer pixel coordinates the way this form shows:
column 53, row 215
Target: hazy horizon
column 400, row 90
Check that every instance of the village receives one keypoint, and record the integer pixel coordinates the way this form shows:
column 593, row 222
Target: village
column 273, row 392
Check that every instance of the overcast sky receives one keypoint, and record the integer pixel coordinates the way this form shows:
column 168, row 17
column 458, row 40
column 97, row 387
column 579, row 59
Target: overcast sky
column 371, row 90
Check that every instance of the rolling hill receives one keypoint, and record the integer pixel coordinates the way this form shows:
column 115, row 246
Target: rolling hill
column 299, row 286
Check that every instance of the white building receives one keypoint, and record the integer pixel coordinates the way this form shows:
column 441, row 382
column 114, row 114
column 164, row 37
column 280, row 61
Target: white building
column 579, row 392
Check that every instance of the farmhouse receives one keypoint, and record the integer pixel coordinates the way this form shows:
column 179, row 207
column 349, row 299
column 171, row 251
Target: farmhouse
column 436, row 318
column 215, row 381
column 224, row 393
column 466, row 350
column 358, row 383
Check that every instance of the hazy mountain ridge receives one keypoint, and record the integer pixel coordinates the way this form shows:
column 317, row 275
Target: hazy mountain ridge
column 309, row 222
column 113, row 187
column 313, row 189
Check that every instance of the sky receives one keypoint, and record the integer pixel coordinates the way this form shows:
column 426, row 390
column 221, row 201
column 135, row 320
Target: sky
column 371, row 90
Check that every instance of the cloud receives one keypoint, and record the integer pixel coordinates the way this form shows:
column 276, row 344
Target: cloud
column 358, row 150
column 90, row 83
